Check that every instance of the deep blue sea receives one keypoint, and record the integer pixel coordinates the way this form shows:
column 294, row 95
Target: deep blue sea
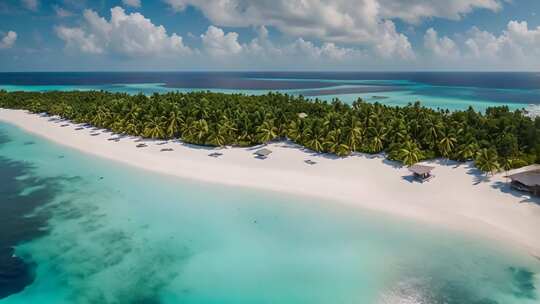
column 448, row 90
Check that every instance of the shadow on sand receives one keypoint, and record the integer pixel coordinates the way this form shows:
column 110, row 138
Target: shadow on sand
column 525, row 197
column 477, row 175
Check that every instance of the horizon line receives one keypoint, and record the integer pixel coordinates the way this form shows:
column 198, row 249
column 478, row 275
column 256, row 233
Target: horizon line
column 270, row 71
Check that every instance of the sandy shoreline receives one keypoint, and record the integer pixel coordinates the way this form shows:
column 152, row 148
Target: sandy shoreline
column 459, row 196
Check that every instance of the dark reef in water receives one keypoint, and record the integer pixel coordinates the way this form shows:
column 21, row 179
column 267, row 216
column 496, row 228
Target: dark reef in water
column 352, row 90
column 517, row 282
column 523, row 283
column 15, row 226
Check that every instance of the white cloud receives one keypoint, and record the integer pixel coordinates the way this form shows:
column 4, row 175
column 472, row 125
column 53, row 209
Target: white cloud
column 517, row 42
column 8, row 41
column 355, row 22
column 441, row 47
column 329, row 33
column 133, row 35
column 76, row 38
column 62, row 12
column 177, row 5
column 340, row 21
column 331, row 51
column 218, row 44
column 390, row 43
column 130, row 35
column 413, row 11
column 132, row 3
column 516, row 47
column 31, row 4
column 302, row 48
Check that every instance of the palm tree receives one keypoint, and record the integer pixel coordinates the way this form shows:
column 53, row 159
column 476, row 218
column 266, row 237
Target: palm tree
column 342, row 150
column 409, row 153
column 217, row 137
column 36, row 107
column 315, row 139
column 294, row 131
column 487, row 160
column 101, row 117
column 118, row 126
column 200, row 109
column 354, row 134
column 433, row 129
column 331, row 142
column 226, row 128
column 378, row 135
column 200, row 131
column 332, row 121
column 131, row 128
column 446, row 143
column 267, row 131
column 467, row 151
column 513, row 162
column 133, row 112
column 175, row 123
column 399, row 131
column 154, row 128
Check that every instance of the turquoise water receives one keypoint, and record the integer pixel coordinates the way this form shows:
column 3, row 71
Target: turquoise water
column 393, row 92
column 446, row 90
column 144, row 88
column 115, row 234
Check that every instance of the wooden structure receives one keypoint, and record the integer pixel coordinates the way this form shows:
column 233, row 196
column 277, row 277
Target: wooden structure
column 528, row 181
column 302, row 115
column 263, row 153
column 421, row 172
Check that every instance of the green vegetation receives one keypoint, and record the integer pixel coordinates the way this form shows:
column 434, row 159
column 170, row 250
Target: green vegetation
column 497, row 139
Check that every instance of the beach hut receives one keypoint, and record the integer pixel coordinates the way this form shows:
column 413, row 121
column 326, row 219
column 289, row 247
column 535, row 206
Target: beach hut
column 528, row 181
column 263, row 153
column 421, row 172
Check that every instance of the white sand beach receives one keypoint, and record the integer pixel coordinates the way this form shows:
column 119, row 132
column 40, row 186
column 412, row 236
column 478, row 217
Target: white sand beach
column 459, row 196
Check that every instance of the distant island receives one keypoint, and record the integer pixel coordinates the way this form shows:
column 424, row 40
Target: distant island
column 379, row 97
column 495, row 140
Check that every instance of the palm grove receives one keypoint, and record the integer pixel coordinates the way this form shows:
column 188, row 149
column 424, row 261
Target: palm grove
column 498, row 139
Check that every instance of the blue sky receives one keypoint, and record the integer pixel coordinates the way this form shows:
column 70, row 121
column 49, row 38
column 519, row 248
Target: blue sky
column 63, row 35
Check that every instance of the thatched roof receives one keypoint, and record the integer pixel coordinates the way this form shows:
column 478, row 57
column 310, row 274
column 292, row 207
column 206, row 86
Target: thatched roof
column 263, row 152
column 420, row 169
column 527, row 178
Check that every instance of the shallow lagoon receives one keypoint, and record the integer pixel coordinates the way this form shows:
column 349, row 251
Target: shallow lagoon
column 107, row 233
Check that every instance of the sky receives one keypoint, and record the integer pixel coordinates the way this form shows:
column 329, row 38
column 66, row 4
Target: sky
column 336, row 35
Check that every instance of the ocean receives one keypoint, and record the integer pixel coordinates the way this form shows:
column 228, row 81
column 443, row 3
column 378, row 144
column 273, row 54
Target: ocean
column 445, row 90
column 80, row 229
column 75, row 228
